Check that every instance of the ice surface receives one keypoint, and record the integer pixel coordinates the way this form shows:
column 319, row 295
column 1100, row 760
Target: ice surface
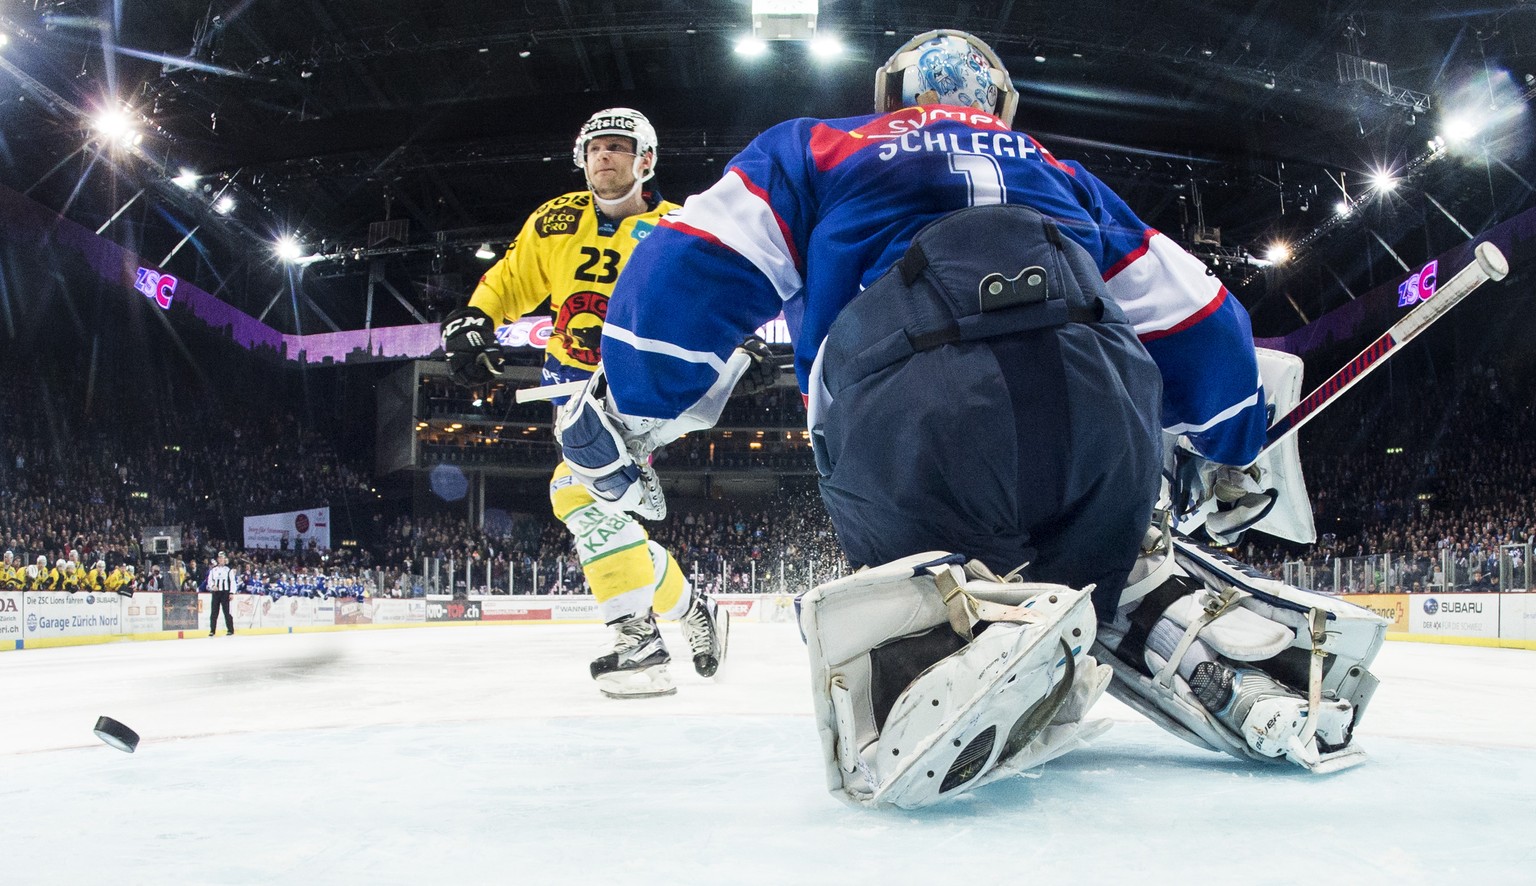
column 485, row 755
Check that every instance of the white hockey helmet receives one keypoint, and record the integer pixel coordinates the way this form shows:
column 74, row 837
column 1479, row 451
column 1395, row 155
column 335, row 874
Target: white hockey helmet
column 619, row 121
column 949, row 68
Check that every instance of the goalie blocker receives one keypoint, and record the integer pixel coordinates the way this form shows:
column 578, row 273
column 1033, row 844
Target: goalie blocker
column 1234, row 661
column 931, row 676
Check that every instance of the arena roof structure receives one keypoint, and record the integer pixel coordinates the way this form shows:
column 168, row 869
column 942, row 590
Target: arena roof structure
column 388, row 140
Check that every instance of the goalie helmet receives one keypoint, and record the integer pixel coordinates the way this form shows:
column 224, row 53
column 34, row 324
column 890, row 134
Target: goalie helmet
column 949, row 68
column 626, row 122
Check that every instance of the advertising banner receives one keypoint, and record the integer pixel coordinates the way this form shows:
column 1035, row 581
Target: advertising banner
column 514, row 609
column 579, row 608
column 178, row 610
column 351, row 611
column 397, row 612
column 1392, row 607
column 1517, row 617
column 453, row 610
column 261, row 611
column 289, row 530
column 10, row 618
column 51, row 614
column 1454, row 615
column 142, row 613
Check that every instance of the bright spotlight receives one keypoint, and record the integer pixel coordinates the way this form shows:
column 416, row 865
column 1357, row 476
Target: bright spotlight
column 287, row 248
column 1460, row 128
column 224, row 204
column 186, row 179
column 1382, row 180
column 115, row 125
column 1278, row 254
column 826, row 46
column 484, row 253
column 4, row 39
column 750, row 47
column 1342, row 207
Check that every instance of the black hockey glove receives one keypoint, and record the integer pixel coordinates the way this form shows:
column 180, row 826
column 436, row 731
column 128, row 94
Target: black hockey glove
column 763, row 373
column 469, row 342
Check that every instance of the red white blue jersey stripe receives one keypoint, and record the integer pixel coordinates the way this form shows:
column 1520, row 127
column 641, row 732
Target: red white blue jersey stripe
column 813, row 211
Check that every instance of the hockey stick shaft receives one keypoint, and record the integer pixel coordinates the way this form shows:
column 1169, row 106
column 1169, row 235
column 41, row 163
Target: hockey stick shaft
column 736, row 364
column 1488, row 264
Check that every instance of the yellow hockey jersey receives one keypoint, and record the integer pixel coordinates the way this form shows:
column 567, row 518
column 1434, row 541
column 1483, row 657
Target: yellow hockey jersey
column 571, row 254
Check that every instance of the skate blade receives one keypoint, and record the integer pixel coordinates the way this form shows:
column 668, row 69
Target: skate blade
column 648, row 683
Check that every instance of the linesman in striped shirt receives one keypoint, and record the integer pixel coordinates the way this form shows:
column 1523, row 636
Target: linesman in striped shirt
column 220, row 583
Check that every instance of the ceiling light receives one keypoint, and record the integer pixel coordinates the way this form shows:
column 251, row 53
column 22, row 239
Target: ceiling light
column 750, row 47
column 826, row 46
column 1278, row 253
column 1040, row 58
column 4, row 39
column 1460, row 128
column 484, row 252
column 224, row 204
column 1383, row 180
column 1342, row 207
column 186, row 179
column 115, row 125
column 287, row 248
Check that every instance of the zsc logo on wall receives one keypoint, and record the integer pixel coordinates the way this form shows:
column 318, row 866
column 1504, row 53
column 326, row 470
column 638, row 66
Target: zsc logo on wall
column 1430, row 606
column 31, row 621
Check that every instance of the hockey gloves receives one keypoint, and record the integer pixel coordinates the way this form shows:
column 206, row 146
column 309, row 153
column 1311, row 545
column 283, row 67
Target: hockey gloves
column 469, row 343
column 763, row 371
column 599, row 456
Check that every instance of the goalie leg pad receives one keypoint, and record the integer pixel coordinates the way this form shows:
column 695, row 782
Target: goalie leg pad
column 1309, row 683
column 1009, row 699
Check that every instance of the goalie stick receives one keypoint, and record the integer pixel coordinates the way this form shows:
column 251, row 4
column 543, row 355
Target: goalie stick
column 1488, row 264
column 736, row 365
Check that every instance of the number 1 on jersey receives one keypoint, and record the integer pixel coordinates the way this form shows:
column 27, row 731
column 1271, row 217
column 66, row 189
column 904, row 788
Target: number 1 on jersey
column 983, row 178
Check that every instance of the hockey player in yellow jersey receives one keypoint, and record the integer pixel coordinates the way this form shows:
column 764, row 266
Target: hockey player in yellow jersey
column 10, row 572
column 570, row 251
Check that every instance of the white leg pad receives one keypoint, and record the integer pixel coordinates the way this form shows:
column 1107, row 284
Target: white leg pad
column 1269, row 623
column 1012, row 698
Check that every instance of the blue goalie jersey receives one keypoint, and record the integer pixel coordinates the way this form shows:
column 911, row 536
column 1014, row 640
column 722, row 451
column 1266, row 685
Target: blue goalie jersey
column 813, row 211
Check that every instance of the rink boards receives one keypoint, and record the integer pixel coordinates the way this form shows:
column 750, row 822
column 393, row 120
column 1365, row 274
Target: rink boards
column 46, row 618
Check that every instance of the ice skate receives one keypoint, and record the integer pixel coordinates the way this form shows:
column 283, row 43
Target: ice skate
column 707, row 627
column 637, row 666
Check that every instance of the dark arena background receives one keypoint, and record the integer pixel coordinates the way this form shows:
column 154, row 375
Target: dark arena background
column 229, row 232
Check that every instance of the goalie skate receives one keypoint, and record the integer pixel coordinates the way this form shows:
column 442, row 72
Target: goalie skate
column 1235, row 661
column 637, row 666
column 1009, row 699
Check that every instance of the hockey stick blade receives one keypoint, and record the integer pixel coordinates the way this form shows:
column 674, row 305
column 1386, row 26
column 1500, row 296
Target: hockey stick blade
column 1488, row 264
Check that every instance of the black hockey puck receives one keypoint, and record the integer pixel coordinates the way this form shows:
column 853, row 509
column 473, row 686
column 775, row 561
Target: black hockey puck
column 116, row 734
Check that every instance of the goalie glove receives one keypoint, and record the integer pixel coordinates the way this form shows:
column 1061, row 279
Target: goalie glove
column 1236, row 498
column 600, row 456
column 469, row 343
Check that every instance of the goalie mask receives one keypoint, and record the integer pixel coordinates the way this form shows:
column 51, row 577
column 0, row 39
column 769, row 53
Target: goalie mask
column 624, row 122
column 947, row 68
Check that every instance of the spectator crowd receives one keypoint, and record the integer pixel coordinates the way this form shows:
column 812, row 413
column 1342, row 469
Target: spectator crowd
column 1438, row 477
